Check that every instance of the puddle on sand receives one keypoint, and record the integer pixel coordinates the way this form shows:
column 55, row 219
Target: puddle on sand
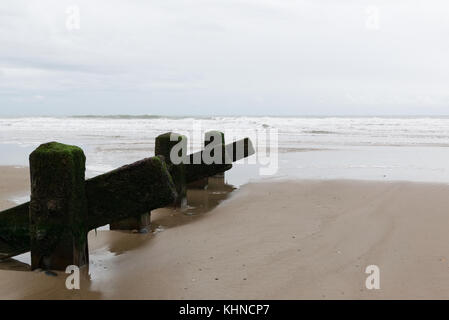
column 103, row 258
column 204, row 200
column 199, row 202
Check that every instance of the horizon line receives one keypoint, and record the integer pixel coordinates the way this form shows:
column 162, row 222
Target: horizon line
column 136, row 116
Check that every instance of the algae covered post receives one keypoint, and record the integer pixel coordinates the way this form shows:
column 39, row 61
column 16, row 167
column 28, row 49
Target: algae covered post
column 214, row 148
column 215, row 142
column 58, row 207
column 64, row 207
column 198, row 167
column 165, row 144
column 129, row 192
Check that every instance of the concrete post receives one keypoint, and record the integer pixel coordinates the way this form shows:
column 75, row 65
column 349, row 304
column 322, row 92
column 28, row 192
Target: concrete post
column 58, row 207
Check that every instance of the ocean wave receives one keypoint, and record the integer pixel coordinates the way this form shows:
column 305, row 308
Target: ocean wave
column 137, row 117
column 123, row 116
column 320, row 132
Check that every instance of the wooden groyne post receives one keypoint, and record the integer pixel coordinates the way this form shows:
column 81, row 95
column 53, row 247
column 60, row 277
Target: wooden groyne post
column 58, row 207
column 164, row 145
column 129, row 192
column 64, row 206
column 212, row 139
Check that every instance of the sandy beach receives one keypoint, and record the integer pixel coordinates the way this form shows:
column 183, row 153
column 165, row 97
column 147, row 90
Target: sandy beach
column 266, row 240
column 224, row 150
column 14, row 183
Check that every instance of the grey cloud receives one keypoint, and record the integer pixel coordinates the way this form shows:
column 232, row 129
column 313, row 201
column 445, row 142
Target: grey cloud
column 233, row 56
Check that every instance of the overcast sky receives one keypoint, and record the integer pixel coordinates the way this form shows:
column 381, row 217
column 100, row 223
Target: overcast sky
column 224, row 57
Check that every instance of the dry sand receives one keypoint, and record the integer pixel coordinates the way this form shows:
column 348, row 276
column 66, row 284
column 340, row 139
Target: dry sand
column 271, row 240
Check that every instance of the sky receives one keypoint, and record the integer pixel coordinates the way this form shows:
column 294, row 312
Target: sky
column 224, row 57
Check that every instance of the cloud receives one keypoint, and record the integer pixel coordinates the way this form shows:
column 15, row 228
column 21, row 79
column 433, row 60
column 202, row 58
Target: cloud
column 216, row 56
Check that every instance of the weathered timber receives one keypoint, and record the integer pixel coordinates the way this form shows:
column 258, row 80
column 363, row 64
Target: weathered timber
column 212, row 140
column 129, row 191
column 15, row 231
column 58, row 207
column 197, row 168
column 165, row 144
column 141, row 223
column 125, row 192
column 118, row 189
column 240, row 149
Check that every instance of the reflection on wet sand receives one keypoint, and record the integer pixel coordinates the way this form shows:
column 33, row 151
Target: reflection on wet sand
column 13, row 264
column 199, row 202
column 109, row 244
column 202, row 201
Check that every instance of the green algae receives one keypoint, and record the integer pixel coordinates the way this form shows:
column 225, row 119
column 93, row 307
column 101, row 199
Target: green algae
column 58, row 206
column 164, row 144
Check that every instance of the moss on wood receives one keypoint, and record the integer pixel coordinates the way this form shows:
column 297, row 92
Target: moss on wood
column 58, row 206
column 164, row 143
column 163, row 146
column 15, row 230
column 129, row 191
column 125, row 192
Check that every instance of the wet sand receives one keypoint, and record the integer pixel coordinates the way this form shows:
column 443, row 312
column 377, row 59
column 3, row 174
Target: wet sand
column 268, row 240
column 14, row 182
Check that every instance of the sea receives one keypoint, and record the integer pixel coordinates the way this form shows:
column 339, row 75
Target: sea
column 362, row 148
